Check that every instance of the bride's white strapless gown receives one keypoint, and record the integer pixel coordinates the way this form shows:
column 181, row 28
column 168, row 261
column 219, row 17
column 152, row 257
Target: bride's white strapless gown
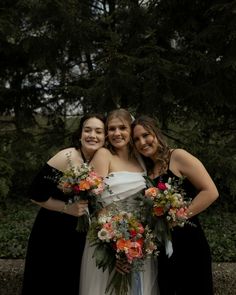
column 93, row 281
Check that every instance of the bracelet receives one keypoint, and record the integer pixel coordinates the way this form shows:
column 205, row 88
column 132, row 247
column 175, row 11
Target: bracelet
column 190, row 213
column 65, row 207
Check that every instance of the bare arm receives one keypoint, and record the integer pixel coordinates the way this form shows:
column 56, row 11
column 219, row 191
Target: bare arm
column 101, row 162
column 60, row 162
column 76, row 209
column 183, row 163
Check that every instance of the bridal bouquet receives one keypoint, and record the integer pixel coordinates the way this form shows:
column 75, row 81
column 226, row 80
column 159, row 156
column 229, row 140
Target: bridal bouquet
column 120, row 235
column 169, row 208
column 83, row 183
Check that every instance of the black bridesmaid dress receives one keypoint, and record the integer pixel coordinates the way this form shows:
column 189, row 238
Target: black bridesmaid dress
column 189, row 270
column 55, row 248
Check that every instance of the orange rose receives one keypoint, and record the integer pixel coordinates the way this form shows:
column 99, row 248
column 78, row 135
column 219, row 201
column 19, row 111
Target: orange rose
column 151, row 192
column 84, row 185
column 123, row 244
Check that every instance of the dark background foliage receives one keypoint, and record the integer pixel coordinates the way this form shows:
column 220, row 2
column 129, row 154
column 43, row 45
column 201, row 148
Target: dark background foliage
column 174, row 60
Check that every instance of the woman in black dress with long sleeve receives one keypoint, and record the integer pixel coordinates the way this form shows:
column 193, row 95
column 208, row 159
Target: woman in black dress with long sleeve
column 188, row 270
column 55, row 247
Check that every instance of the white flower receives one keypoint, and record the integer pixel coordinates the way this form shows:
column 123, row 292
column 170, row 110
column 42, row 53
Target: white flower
column 104, row 235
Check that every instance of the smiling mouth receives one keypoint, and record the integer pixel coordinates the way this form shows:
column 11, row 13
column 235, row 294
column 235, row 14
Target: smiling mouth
column 117, row 139
column 146, row 148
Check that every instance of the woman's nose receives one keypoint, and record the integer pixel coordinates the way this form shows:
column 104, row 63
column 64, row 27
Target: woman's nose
column 92, row 133
column 117, row 131
column 142, row 141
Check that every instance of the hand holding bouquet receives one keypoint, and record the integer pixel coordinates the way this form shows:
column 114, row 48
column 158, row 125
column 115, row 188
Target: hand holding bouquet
column 120, row 235
column 169, row 208
column 168, row 201
column 83, row 183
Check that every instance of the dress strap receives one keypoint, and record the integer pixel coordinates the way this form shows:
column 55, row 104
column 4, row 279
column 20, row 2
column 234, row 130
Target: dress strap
column 170, row 158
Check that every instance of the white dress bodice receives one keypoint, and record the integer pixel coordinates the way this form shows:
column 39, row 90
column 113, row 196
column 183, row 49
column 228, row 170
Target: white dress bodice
column 123, row 186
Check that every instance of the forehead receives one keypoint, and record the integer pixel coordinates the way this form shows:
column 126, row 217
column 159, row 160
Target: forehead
column 93, row 123
column 117, row 122
column 138, row 130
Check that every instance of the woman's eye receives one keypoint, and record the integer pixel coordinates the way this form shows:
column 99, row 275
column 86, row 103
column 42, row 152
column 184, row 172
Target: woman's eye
column 123, row 128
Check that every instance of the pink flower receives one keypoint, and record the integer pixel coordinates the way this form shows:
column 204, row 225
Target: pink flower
column 161, row 186
column 140, row 228
column 134, row 251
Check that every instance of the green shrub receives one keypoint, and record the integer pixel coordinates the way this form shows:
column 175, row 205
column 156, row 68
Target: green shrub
column 219, row 227
column 15, row 226
column 17, row 220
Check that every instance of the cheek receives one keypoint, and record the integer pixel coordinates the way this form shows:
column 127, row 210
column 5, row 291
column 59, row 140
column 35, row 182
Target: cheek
column 128, row 135
column 137, row 145
column 83, row 136
column 109, row 134
column 101, row 139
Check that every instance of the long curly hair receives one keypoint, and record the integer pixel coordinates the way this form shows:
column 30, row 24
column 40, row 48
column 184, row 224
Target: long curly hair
column 162, row 156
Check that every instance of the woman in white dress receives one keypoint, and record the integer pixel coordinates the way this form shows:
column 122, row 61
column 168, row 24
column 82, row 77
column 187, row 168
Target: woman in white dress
column 126, row 181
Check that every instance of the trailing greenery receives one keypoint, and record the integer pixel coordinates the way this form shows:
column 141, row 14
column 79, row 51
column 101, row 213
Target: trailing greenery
column 16, row 223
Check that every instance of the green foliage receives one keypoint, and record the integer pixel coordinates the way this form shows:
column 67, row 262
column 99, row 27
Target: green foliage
column 6, row 173
column 68, row 57
column 17, row 220
column 15, row 226
column 220, row 229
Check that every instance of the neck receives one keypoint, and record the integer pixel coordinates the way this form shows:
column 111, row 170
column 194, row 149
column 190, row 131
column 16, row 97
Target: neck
column 86, row 156
column 123, row 153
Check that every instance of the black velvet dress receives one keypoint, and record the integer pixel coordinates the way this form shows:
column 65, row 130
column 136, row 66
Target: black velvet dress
column 188, row 271
column 55, row 248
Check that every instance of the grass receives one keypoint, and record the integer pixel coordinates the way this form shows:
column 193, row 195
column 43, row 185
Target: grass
column 16, row 221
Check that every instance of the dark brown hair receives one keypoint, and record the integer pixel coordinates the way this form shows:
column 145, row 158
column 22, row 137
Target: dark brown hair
column 163, row 151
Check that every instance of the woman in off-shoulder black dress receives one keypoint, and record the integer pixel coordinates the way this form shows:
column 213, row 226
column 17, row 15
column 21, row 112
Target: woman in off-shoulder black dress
column 188, row 270
column 55, row 247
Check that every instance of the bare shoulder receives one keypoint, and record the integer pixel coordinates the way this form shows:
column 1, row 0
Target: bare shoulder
column 102, row 152
column 184, row 163
column 101, row 161
column 60, row 159
column 181, row 155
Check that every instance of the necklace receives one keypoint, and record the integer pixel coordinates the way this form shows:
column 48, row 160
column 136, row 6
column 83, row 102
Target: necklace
column 83, row 157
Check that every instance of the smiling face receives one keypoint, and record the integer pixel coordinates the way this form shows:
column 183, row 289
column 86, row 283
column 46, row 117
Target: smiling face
column 145, row 141
column 93, row 135
column 118, row 132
